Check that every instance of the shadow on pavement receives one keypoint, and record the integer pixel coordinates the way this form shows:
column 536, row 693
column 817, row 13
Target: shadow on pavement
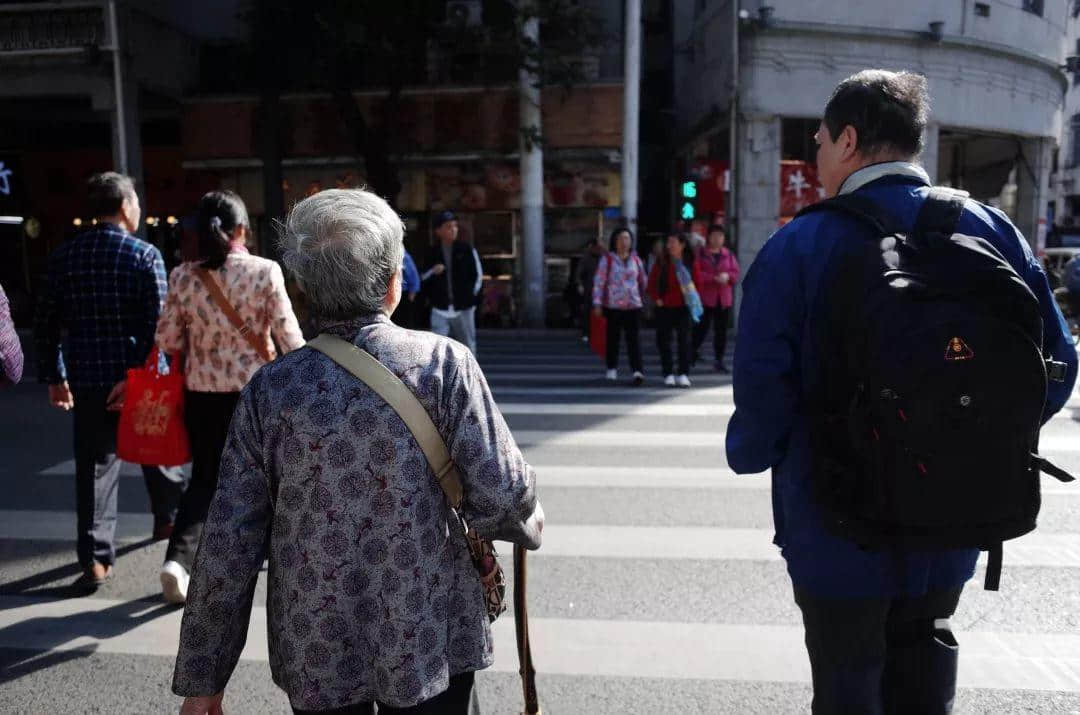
column 47, row 633
column 32, row 585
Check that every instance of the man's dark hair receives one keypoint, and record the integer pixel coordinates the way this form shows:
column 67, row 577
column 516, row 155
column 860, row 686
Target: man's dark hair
column 888, row 111
column 716, row 228
column 105, row 193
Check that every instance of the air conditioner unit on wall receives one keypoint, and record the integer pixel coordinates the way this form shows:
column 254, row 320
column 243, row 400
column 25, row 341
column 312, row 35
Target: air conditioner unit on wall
column 464, row 13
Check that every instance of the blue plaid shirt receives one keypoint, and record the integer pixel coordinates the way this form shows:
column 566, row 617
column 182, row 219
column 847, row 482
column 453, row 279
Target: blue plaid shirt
column 105, row 289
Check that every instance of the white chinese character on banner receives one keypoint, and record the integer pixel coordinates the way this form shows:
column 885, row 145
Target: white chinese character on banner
column 5, row 185
column 797, row 183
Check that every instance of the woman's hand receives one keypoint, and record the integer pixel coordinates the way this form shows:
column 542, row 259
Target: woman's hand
column 598, row 311
column 723, row 278
column 659, row 303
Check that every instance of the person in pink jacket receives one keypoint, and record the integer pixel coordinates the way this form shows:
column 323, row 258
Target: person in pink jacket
column 619, row 295
column 718, row 270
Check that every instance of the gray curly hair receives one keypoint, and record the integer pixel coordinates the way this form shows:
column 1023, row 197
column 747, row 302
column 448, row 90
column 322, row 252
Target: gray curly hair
column 343, row 246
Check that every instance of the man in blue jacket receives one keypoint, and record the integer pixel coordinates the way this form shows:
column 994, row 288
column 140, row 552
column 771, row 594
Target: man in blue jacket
column 862, row 609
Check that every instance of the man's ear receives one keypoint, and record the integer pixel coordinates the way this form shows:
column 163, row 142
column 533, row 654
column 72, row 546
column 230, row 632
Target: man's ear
column 849, row 141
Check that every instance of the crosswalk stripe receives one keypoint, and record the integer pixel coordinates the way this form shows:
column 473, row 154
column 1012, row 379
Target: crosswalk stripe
column 562, row 646
column 586, row 541
column 605, row 408
column 681, row 440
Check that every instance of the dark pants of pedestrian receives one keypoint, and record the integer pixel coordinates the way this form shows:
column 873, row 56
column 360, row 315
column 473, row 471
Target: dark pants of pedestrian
column 673, row 321
column 872, row 656
column 97, row 479
column 455, row 700
column 207, row 416
column 717, row 318
column 619, row 322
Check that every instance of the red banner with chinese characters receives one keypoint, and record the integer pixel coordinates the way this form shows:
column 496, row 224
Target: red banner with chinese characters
column 799, row 187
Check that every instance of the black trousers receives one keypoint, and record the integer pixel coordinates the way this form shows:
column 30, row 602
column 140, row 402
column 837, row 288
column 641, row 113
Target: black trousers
column 717, row 318
column 873, row 656
column 673, row 321
column 207, row 416
column 97, row 479
column 454, row 700
column 628, row 322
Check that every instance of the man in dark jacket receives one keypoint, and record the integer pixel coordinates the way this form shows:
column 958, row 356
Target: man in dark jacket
column 452, row 281
column 862, row 609
column 105, row 289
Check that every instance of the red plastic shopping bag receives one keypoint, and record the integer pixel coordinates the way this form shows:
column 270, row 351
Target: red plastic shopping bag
column 598, row 334
column 151, row 429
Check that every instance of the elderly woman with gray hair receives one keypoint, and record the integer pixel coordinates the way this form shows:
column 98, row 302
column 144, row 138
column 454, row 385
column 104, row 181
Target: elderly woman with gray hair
column 372, row 595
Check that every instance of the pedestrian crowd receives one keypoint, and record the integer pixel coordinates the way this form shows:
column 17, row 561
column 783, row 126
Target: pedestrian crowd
column 898, row 350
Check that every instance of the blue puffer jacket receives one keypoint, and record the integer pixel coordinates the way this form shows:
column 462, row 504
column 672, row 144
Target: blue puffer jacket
column 776, row 364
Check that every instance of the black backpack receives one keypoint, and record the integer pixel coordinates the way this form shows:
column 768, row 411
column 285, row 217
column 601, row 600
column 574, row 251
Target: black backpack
column 926, row 415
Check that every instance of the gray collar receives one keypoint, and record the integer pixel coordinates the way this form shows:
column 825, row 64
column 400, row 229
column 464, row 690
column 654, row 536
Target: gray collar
column 865, row 175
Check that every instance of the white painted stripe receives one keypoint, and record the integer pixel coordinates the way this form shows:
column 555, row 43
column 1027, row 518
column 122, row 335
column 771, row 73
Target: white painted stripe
column 587, row 541
column 647, row 478
column 617, row 410
column 598, row 374
column 709, row 543
column 1048, row 445
column 61, row 525
column 562, row 646
column 623, row 389
column 603, row 438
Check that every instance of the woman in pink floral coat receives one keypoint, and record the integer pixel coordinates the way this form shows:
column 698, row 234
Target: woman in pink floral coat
column 218, row 359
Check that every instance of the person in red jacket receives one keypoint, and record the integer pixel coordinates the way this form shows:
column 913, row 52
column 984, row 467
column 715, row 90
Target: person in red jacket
column 717, row 273
column 672, row 314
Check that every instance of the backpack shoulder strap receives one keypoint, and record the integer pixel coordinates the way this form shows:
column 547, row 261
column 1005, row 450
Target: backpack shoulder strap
column 939, row 213
column 858, row 207
column 388, row 386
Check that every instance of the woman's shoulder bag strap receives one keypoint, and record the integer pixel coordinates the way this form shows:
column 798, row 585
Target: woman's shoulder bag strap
column 233, row 317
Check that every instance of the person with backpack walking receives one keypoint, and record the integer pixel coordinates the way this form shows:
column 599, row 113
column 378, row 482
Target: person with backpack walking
column 222, row 313
column 718, row 272
column 672, row 287
column 890, row 371
column 617, row 292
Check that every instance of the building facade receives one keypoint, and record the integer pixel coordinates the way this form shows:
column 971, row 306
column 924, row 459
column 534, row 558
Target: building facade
column 995, row 72
column 169, row 93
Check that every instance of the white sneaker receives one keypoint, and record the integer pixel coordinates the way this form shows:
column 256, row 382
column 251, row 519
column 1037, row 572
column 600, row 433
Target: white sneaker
column 682, row 381
column 611, row 375
column 174, row 582
column 669, row 381
column 639, row 379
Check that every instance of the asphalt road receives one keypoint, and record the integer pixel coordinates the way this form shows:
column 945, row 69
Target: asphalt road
column 657, row 590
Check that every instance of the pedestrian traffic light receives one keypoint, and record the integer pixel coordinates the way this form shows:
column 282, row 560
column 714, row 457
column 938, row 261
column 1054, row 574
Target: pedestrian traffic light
column 689, row 192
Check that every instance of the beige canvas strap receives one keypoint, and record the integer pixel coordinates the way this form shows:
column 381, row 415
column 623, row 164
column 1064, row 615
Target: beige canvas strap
column 395, row 393
column 234, row 317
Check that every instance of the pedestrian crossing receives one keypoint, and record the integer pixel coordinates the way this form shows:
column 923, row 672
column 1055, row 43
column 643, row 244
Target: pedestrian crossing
column 657, row 589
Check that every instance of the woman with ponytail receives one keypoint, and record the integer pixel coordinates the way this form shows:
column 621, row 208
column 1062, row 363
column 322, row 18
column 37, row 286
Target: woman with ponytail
column 223, row 311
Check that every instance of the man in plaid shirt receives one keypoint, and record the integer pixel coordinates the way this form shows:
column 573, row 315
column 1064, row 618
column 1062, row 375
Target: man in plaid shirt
column 105, row 290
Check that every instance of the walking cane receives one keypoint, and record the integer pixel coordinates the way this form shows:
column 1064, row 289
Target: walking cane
column 521, row 624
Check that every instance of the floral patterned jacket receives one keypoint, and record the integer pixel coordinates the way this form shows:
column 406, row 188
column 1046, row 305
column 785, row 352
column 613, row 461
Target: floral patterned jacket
column 217, row 358
column 372, row 595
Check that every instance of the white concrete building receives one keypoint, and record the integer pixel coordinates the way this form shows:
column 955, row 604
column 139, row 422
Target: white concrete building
column 995, row 70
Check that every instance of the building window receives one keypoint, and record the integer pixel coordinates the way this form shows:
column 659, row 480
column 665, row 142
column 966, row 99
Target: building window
column 1076, row 9
column 982, row 9
column 1034, row 6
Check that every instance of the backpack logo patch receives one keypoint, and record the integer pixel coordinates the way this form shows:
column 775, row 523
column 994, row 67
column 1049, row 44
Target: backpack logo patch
column 957, row 349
